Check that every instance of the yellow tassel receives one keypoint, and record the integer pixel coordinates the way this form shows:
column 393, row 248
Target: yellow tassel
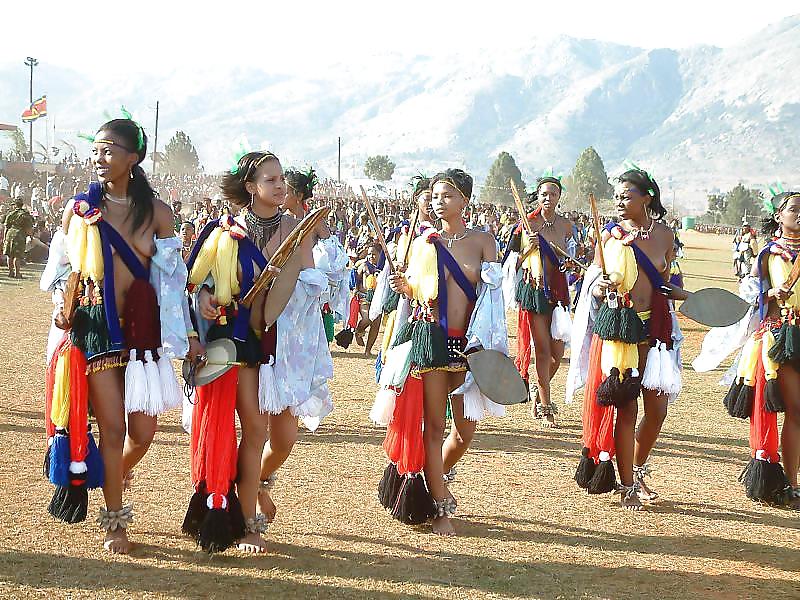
column 748, row 361
column 533, row 263
column 76, row 242
column 205, row 258
column 93, row 262
column 388, row 331
column 770, row 366
column 59, row 410
column 618, row 354
column 621, row 259
column 371, row 282
column 224, row 270
column 423, row 273
column 402, row 243
column 779, row 270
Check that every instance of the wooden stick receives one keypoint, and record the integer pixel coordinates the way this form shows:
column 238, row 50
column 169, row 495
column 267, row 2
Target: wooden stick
column 378, row 229
column 521, row 209
column 598, row 233
column 411, row 234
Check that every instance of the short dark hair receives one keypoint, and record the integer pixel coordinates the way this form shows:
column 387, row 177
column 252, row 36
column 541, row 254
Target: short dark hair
column 646, row 186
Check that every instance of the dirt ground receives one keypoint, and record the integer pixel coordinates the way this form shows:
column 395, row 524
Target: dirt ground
column 525, row 529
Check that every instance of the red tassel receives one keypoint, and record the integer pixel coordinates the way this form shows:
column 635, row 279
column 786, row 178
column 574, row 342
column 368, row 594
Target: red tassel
column 763, row 424
column 598, row 421
column 559, row 290
column 269, row 342
column 355, row 312
column 141, row 323
column 660, row 319
column 78, row 405
column 523, row 359
column 403, row 444
column 214, row 434
column 50, row 382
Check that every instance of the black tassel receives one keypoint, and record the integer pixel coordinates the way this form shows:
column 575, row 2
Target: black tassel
column 730, row 397
column 629, row 388
column 389, row 486
column 585, row 470
column 429, row 346
column 773, row 399
column 404, row 333
column 414, row 504
column 344, row 338
column 778, row 352
column 391, row 302
column 195, row 514
column 763, row 480
column 238, row 525
column 608, row 391
column 541, row 305
column 603, row 479
column 216, row 531
column 69, row 503
column 743, row 404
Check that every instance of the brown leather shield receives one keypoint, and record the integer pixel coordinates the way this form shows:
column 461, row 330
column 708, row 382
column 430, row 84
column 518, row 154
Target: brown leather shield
column 282, row 289
column 497, row 377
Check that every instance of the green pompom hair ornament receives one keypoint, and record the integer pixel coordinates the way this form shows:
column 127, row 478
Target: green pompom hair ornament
column 125, row 114
column 775, row 189
column 629, row 165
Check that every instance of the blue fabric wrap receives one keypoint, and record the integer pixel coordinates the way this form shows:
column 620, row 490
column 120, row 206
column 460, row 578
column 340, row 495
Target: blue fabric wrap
column 546, row 251
column 507, row 252
column 249, row 254
column 656, row 280
column 210, row 226
column 445, row 260
column 763, row 282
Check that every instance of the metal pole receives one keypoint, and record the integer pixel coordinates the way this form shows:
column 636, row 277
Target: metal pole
column 155, row 142
column 31, row 62
column 339, row 168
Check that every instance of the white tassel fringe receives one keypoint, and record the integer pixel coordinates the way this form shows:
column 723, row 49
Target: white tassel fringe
column 383, row 408
column 136, row 391
column 268, row 401
column 561, row 324
column 652, row 371
column 155, row 399
column 171, row 395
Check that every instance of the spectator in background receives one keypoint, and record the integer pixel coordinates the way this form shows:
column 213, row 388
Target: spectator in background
column 18, row 226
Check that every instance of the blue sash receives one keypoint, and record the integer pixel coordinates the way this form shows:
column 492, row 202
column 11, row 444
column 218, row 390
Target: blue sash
column 445, row 260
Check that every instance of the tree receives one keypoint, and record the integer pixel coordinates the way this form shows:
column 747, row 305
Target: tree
column 20, row 146
column 379, row 167
column 496, row 188
column 180, row 157
column 589, row 176
column 715, row 209
column 742, row 203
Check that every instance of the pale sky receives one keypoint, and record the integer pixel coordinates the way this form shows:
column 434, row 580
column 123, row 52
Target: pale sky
column 150, row 36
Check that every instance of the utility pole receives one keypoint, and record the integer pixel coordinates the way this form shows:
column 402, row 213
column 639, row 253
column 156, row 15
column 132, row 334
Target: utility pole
column 31, row 62
column 339, row 168
column 155, row 142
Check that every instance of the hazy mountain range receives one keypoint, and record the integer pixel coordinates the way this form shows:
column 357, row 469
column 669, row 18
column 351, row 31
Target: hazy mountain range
column 699, row 119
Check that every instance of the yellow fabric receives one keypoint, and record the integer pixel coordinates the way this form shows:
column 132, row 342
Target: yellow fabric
column 402, row 242
column 388, row 331
column 370, row 281
column 748, row 361
column 618, row 354
column 225, row 269
column 770, row 366
column 621, row 259
column 779, row 270
column 533, row 263
column 205, row 258
column 84, row 249
column 59, row 409
column 422, row 273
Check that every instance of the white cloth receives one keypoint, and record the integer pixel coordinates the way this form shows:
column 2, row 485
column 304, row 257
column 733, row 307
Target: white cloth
column 57, row 269
column 511, row 277
column 168, row 277
column 331, row 259
column 487, row 330
column 303, row 363
column 382, row 291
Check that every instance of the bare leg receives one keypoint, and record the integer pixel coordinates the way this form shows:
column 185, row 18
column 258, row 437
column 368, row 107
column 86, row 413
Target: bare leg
column 655, row 411
column 462, row 431
column 254, row 434
column 436, row 387
column 108, row 405
column 540, row 336
column 282, row 436
column 624, row 442
column 363, row 323
column 789, row 380
column 141, row 430
column 374, row 329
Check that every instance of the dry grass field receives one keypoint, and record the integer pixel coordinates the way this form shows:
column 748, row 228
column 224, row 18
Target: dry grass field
column 525, row 529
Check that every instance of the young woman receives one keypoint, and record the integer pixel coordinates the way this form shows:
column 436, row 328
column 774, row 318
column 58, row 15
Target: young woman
column 366, row 273
column 542, row 294
column 284, row 368
column 766, row 371
column 449, row 318
column 626, row 341
column 125, row 263
column 299, row 190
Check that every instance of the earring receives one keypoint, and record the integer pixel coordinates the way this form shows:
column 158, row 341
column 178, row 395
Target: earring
column 131, row 173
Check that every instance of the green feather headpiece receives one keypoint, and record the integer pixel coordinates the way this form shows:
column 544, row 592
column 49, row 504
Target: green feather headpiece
column 629, row 165
column 125, row 114
column 239, row 155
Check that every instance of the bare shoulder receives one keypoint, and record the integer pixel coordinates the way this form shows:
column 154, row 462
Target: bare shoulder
column 664, row 232
column 163, row 218
column 289, row 220
column 482, row 237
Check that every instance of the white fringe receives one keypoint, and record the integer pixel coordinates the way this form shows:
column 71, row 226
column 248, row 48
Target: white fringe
column 652, row 370
column 383, row 408
column 171, row 395
column 674, row 383
column 186, row 415
column 561, row 324
column 268, row 401
column 473, row 403
column 155, row 400
column 136, row 391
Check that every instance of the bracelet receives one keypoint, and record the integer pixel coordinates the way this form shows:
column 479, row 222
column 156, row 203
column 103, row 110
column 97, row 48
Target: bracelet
column 192, row 334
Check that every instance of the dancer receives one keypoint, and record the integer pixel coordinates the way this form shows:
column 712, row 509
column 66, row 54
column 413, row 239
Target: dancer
column 366, row 280
column 299, row 190
column 626, row 341
column 766, row 375
column 541, row 293
column 125, row 263
column 449, row 318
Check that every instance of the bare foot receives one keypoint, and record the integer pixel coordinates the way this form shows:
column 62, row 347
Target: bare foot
column 629, row 498
column 368, row 353
column 252, row 543
column 265, row 504
column 443, row 526
column 359, row 338
column 639, row 473
column 116, row 542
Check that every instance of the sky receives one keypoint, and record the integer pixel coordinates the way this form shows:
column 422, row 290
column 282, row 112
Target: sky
column 159, row 36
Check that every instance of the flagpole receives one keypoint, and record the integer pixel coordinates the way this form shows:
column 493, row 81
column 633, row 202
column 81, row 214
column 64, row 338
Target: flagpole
column 31, row 62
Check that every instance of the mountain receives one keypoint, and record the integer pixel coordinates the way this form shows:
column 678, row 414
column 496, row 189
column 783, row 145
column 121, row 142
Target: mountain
column 698, row 119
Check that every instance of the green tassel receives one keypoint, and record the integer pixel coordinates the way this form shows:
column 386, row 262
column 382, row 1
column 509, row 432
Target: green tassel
column 391, row 302
column 541, row 305
column 90, row 332
column 793, row 342
column 532, row 298
column 778, row 351
column 631, row 328
column 607, row 323
column 429, row 346
column 404, row 333
column 370, row 295
column 327, row 321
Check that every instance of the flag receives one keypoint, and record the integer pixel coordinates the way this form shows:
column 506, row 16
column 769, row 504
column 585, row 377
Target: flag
column 38, row 108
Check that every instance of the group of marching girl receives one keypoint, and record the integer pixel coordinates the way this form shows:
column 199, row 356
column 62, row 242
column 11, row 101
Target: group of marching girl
column 126, row 303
